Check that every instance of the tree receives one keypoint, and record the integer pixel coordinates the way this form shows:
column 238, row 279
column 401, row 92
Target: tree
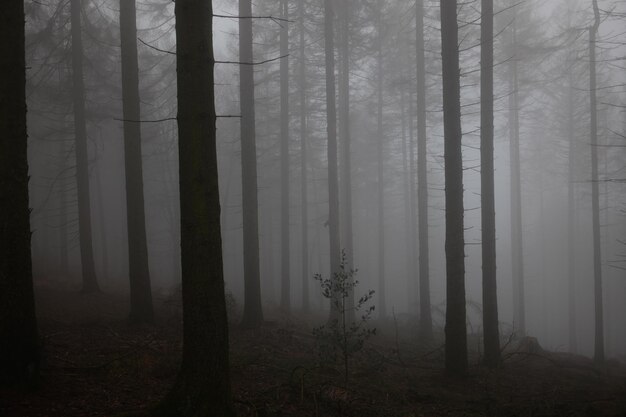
column 19, row 345
column 202, row 387
column 285, row 295
column 598, row 354
column 90, row 282
column 331, row 131
column 139, row 273
column 252, row 310
column 488, row 212
column 455, row 330
column 426, row 322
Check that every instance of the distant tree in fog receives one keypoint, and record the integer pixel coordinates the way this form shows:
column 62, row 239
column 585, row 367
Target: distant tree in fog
column 19, row 344
column 202, row 387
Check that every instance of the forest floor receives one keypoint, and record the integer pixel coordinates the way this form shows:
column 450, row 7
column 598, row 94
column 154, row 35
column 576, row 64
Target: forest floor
column 95, row 364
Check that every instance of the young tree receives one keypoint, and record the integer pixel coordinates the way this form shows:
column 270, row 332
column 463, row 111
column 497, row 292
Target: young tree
column 90, row 282
column 140, row 290
column 252, row 310
column 202, row 387
column 19, row 350
column 488, row 212
column 455, row 330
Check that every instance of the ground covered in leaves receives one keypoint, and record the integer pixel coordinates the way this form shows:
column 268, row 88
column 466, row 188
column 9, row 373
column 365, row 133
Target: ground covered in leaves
column 94, row 364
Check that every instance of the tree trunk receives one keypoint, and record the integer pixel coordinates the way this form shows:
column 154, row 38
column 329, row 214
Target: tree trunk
column 425, row 321
column 455, row 330
column 487, row 190
column 202, row 387
column 331, row 131
column 285, row 289
column 140, row 290
column 517, row 248
column 252, row 309
column 382, row 305
column 90, row 283
column 598, row 354
column 571, row 240
column 19, row 350
column 303, row 162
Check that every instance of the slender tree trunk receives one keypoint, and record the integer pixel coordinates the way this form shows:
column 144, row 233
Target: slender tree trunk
column 456, row 334
column 19, row 344
column 304, row 161
column 252, row 309
column 202, row 387
column 487, row 190
column 331, row 120
column 345, row 135
column 598, row 354
column 101, row 219
column 571, row 223
column 139, row 272
column 517, row 247
column 90, row 283
column 426, row 322
column 285, row 289
column 382, row 305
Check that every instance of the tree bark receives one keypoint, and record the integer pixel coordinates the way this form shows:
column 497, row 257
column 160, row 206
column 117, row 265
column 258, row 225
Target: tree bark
column 252, row 310
column 487, row 191
column 382, row 305
column 202, row 387
column 304, row 161
column 90, row 282
column 455, row 329
column 139, row 273
column 19, row 344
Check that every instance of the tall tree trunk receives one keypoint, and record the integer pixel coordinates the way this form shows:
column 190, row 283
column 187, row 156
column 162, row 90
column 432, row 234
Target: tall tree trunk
column 426, row 321
column 598, row 354
column 101, row 219
column 571, row 223
column 517, row 247
column 456, row 334
column 252, row 309
column 331, row 131
column 90, row 283
column 202, row 387
column 345, row 135
column 304, row 162
column 487, row 190
column 285, row 289
column 139, row 273
column 382, row 305
column 19, row 350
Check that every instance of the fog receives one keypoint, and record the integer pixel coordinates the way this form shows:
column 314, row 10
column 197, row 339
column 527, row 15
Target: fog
column 551, row 60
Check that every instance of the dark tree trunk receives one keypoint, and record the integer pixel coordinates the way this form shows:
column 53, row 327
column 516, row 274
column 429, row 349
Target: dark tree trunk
column 426, row 322
column 571, row 241
column 382, row 305
column 331, row 131
column 303, row 161
column 139, row 273
column 252, row 309
column 598, row 354
column 517, row 247
column 487, row 190
column 285, row 289
column 456, row 335
column 90, row 283
column 202, row 387
column 19, row 350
